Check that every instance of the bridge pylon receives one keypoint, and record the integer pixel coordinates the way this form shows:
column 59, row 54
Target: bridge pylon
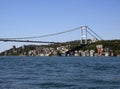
column 83, row 34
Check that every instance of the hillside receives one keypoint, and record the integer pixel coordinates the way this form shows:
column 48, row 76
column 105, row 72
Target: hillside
column 112, row 46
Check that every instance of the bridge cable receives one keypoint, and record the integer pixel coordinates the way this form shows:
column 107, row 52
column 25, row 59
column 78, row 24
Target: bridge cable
column 95, row 33
column 42, row 36
column 91, row 34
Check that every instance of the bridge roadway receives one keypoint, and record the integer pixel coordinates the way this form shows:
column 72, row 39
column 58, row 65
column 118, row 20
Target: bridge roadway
column 12, row 40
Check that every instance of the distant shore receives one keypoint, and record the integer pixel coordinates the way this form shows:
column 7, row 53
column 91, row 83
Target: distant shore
column 72, row 48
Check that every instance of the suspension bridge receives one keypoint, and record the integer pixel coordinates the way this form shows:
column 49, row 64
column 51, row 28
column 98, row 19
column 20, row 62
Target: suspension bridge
column 84, row 32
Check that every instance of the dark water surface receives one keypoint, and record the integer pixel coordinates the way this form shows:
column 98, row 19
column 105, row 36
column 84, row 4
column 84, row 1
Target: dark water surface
column 59, row 72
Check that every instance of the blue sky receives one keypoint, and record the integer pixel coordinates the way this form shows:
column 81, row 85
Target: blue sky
column 24, row 18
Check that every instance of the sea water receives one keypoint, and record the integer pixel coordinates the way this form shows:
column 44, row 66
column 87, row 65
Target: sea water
column 59, row 72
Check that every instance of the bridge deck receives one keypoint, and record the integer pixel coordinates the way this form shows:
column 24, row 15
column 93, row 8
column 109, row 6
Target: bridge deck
column 10, row 40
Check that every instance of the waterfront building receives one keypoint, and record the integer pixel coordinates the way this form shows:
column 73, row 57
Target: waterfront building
column 77, row 53
column 92, row 53
column 106, row 54
column 99, row 49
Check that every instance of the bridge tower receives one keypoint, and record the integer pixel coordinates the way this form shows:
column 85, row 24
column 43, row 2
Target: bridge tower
column 83, row 34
